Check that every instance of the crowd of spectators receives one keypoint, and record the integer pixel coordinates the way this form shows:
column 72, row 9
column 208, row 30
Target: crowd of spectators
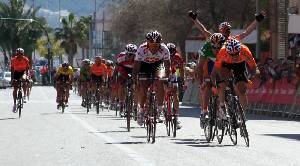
column 275, row 70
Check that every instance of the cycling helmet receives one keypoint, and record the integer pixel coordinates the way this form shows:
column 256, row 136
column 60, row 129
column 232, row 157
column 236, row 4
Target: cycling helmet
column 172, row 48
column 233, row 46
column 217, row 39
column 224, row 25
column 154, row 36
column 65, row 64
column 130, row 48
column 98, row 57
column 20, row 50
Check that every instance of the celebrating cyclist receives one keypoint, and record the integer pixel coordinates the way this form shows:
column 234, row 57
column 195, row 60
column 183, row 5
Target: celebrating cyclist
column 63, row 78
column 124, row 70
column 233, row 58
column 224, row 27
column 177, row 64
column 205, row 66
column 19, row 70
column 152, row 58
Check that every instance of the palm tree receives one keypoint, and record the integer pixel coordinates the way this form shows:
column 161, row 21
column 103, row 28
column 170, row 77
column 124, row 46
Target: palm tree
column 14, row 33
column 82, row 28
column 69, row 36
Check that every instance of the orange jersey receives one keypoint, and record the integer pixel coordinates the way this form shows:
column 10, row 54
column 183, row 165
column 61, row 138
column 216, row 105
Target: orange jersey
column 20, row 64
column 110, row 71
column 244, row 55
column 99, row 70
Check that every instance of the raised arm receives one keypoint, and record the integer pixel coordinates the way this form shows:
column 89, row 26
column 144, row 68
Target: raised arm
column 252, row 26
column 199, row 25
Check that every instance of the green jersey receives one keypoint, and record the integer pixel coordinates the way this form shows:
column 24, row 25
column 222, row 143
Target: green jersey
column 85, row 73
column 207, row 52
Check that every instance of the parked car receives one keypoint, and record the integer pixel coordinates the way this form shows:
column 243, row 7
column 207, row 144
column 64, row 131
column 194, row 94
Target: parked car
column 5, row 79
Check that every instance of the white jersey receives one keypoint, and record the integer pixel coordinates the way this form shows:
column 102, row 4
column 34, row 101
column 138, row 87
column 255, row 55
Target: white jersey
column 143, row 54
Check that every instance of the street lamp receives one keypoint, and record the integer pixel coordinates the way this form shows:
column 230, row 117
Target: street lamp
column 47, row 35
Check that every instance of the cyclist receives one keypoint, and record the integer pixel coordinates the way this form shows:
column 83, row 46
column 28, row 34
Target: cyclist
column 225, row 27
column 19, row 70
column 205, row 66
column 123, row 70
column 98, row 74
column 234, row 57
column 110, row 71
column 84, row 79
column 63, row 78
column 152, row 58
column 176, row 63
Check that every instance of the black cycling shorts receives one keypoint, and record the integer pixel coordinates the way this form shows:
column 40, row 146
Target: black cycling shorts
column 63, row 78
column 148, row 69
column 239, row 70
column 17, row 75
column 96, row 79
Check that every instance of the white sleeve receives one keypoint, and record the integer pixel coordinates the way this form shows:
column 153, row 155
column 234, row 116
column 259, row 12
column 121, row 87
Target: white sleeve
column 139, row 53
column 166, row 53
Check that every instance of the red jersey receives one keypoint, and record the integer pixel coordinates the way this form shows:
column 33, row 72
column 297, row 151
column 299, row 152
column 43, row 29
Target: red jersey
column 20, row 64
column 124, row 61
column 176, row 61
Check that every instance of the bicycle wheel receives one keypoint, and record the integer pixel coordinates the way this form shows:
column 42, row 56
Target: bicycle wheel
column 208, row 131
column 19, row 109
column 220, row 130
column 153, row 130
column 97, row 101
column 174, row 125
column 87, row 101
column 243, row 128
column 148, row 128
column 232, row 133
column 212, row 117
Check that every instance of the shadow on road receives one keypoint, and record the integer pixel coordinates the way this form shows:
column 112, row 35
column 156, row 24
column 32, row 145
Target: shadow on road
column 197, row 143
column 8, row 118
column 160, row 136
column 126, row 143
column 288, row 136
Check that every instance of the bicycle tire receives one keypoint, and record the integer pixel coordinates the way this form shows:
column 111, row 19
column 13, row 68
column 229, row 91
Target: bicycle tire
column 148, row 127
column 243, row 128
column 153, row 130
column 208, row 131
column 20, row 111
column 232, row 133
column 87, row 101
column 174, row 126
column 220, row 130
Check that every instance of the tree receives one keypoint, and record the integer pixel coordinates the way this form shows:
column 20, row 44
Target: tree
column 82, row 29
column 69, row 36
column 42, row 49
column 133, row 18
column 14, row 33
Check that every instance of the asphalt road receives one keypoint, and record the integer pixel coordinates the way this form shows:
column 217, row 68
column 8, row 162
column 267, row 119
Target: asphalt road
column 44, row 136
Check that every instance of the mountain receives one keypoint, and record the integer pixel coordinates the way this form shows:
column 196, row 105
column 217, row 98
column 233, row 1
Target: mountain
column 50, row 8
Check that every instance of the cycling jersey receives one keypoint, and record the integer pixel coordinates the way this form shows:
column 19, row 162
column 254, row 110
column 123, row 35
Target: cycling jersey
column 85, row 73
column 123, row 61
column 99, row 70
column 20, row 64
column 207, row 52
column 61, row 71
column 176, row 62
column 145, row 55
column 110, row 70
column 245, row 55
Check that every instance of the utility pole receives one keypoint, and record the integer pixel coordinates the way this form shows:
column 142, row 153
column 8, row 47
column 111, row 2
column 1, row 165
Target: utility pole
column 33, row 5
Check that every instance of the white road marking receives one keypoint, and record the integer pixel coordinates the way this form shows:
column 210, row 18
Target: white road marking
column 131, row 153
